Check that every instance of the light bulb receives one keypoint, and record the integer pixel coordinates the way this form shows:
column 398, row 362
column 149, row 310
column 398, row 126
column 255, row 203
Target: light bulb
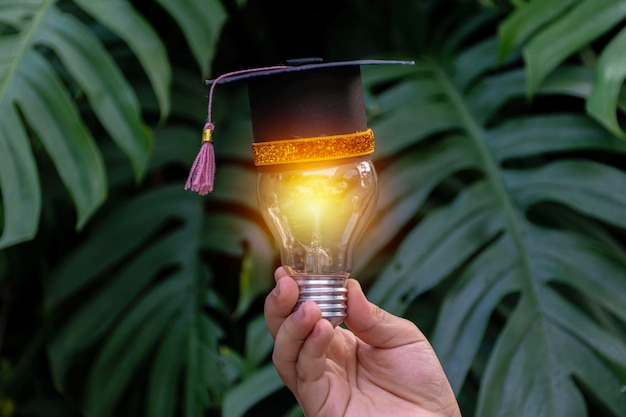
column 317, row 187
column 317, row 214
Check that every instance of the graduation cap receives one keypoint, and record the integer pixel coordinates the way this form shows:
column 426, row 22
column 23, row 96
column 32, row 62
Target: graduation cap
column 306, row 110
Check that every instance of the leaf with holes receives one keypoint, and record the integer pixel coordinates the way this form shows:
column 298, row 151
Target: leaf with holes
column 523, row 238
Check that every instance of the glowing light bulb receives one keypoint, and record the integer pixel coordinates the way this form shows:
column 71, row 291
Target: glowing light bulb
column 317, row 214
column 317, row 187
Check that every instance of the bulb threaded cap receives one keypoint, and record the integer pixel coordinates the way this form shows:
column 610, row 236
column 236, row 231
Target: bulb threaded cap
column 329, row 292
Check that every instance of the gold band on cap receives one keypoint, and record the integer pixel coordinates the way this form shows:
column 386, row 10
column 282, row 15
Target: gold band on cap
column 322, row 148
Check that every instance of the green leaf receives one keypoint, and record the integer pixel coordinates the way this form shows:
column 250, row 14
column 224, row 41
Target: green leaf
column 548, row 392
column 571, row 80
column 511, row 269
column 487, row 208
column 405, row 185
column 259, row 342
column 527, row 19
column 230, row 235
column 248, row 288
column 52, row 115
column 489, row 96
column 21, row 195
column 464, row 315
column 417, row 91
column 99, row 315
column 16, row 14
column 153, row 271
column 475, row 61
column 589, row 259
column 166, row 373
column 123, row 20
column 201, row 22
column 46, row 53
column 109, row 94
column 567, row 132
column 422, row 260
column 491, row 93
column 137, row 220
column 204, row 373
column 541, row 340
column 398, row 128
column 159, row 305
column 128, row 345
column 258, row 386
column 611, row 73
column 568, row 34
column 409, row 125
column 598, row 357
column 594, row 189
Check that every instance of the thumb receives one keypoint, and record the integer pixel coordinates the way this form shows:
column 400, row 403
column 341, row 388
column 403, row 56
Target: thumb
column 375, row 326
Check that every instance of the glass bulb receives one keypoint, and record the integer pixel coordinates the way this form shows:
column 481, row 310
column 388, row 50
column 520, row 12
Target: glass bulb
column 316, row 215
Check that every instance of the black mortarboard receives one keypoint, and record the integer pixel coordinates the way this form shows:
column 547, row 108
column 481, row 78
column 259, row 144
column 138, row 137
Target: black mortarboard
column 306, row 107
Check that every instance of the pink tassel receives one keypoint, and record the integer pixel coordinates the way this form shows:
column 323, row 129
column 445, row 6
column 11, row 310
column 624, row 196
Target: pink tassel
column 202, row 172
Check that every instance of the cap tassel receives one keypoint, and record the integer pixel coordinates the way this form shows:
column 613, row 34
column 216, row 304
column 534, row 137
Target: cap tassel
column 202, row 171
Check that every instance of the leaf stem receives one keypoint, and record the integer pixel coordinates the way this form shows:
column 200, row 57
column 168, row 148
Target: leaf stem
column 476, row 134
column 24, row 44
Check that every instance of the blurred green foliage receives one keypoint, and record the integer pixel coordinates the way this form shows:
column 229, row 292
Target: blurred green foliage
column 501, row 228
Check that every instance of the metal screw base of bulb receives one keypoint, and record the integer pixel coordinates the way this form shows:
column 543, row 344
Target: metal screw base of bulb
column 329, row 292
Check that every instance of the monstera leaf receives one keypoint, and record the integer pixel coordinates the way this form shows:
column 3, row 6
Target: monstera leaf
column 50, row 58
column 513, row 217
column 551, row 31
column 153, row 322
column 507, row 210
column 148, row 299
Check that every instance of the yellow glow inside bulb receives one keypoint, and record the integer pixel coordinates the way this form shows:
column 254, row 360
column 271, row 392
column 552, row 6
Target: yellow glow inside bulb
column 317, row 215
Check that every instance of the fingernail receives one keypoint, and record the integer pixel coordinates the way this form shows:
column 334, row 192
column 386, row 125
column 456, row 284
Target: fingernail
column 316, row 331
column 299, row 314
column 276, row 291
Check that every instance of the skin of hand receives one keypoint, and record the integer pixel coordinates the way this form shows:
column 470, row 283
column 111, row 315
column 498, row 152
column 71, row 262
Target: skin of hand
column 383, row 366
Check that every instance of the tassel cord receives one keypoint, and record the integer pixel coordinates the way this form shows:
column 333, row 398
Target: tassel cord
column 202, row 173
